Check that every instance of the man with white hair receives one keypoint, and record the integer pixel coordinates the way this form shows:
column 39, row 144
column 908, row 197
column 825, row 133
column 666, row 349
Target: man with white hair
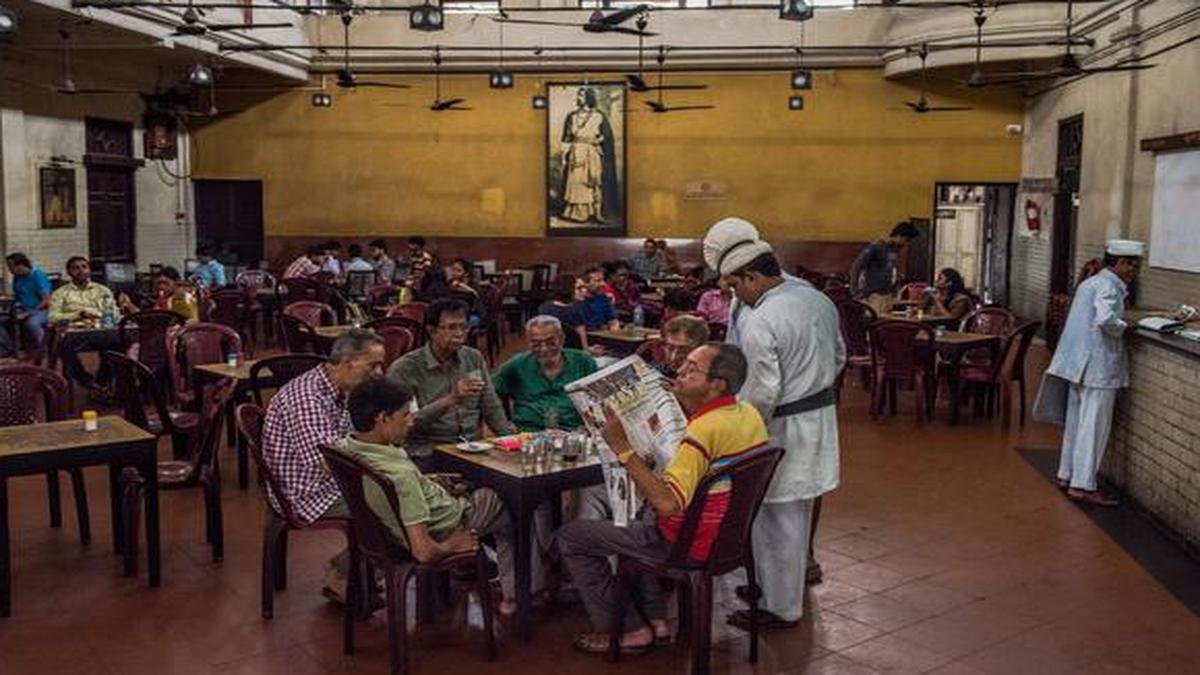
column 1089, row 366
column 535, row 380
column 789, row 333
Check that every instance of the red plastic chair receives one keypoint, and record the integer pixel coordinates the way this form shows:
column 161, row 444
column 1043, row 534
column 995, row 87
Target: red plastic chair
column 284, row 519
column 838, row 293
column 414, row 310
column 1057, row 309
column 398, row 337
column 913, row 290
column 312, row 312
column 146, row 405
column 282, row 369
column 198, row 344
column 992, row 320
column 748, row 479
column 378, row 546
column 855, row 319
column 149, row 331
column 1003, row 374
column 233, row 308
column 900, row 357
column 30, row 394
column 295, row 289
column 653, row 351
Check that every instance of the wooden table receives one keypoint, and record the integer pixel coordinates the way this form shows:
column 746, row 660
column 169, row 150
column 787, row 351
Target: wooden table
column 215, row 372
column 55, row 446
column 625, row 340
column 523, row 488
column 926, row 318
column 951, row 347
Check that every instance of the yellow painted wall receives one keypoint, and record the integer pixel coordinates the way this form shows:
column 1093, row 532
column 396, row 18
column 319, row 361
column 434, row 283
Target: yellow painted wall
column 845, row 168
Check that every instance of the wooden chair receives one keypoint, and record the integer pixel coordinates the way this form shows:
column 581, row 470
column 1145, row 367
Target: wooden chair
column 282, row 369
column 30, row 394
column 900, row 357
column 379, row 547
column 748, row 478
column 282, row 517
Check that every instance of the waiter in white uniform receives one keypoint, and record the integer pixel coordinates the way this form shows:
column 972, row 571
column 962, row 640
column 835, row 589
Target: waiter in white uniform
column 789, row 333
column 1089, row 366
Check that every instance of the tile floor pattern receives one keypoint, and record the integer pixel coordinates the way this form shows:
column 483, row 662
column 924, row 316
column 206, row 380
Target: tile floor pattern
column 944, row 552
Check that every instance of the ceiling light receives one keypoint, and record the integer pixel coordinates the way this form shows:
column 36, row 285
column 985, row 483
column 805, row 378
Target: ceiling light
column 801, row 78
column 795, row 103
column 795, row 10
column 426, row 17
column 200, row 75
column 500, row 79
column 322, row 100
column 540, row 102
column 8, row 21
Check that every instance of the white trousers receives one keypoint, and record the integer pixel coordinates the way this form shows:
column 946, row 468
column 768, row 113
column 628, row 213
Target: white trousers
column 780, row 542
column 1085, row 434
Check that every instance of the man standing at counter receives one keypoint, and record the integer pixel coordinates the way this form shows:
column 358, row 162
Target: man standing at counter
column 1089, row 366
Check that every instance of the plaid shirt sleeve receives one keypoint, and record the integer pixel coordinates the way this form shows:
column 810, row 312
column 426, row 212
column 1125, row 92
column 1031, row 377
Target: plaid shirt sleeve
column 303, row 416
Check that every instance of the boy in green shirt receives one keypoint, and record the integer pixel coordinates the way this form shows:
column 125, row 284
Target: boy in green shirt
column 433, row 522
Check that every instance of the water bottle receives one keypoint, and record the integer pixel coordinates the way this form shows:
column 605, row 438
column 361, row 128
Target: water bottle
column 107, row 320
column 639, row 316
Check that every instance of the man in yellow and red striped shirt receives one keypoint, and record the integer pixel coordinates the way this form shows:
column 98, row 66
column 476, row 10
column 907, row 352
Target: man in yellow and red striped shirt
column 720, row 429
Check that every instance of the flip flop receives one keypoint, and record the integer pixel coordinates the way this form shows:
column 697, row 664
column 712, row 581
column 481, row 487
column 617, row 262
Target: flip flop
column 766, row 620
column 584, row 643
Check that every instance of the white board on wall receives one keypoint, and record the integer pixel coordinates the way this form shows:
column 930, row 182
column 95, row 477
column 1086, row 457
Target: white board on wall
column 1175, row 224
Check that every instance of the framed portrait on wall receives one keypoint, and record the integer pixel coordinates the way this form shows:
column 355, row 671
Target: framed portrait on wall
column 56, row 186
column 585, row 158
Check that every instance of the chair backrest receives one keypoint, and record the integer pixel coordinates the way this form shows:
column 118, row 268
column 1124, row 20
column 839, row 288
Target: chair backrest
column 653, row 350
column 281, row 369
column 205, row 442
column 358, row 281
column 374, row 539
column 230, row 307
column 414, row 310
column 150, row 337
column 255, row 279
column 250, row 420
column 1057, row 309
column 311, row 312
column 202, row 343
column 856, row 319
column 895, row 344
column 913, row 290
column 294, row 289
column 1012, row 362
column 541, row 277
column 748, row 478
column 31, row 394
column 397, row 340
column 838, row 293
column 298, row 336
column 990, row 320
column 137, row 387
column 380, row 295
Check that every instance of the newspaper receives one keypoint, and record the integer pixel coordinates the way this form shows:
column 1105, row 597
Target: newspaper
column 649, row 413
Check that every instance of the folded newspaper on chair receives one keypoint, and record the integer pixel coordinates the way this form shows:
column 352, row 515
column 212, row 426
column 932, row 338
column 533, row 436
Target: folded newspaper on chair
column 650, row 414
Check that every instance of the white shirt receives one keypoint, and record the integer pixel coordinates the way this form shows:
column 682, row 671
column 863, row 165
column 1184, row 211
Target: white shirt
column 1091, row 350
column 359, row 265
column 793, row 344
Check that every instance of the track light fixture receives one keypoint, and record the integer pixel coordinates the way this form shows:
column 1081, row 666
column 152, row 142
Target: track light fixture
column 426, row 17
column 200, row 75
column 802, row 78
column 796, row 102
column 795, row 10
column 322, row 100
column 500, row 79
column 8, row 21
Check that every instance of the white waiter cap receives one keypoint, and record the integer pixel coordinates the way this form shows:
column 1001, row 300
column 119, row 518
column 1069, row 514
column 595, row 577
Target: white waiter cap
column 1125, row 247
column 731, row 244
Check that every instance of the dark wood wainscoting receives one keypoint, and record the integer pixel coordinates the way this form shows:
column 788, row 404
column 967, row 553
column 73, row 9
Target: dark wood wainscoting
column 573, row 253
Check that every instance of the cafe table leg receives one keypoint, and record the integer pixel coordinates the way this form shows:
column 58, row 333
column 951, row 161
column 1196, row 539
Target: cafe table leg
column 523, row 550
column 149, row 469
column 5, row 553
column 114, row 503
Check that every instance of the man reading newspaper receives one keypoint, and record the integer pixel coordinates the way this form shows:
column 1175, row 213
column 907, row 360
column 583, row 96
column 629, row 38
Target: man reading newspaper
column 719, row 429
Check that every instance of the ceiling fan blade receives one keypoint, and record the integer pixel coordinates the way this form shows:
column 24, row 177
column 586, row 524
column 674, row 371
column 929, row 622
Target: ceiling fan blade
column 949, row 108
column 678, row 108
column 1117, row 69
column 605, row 28
column 914, row 106
column 621, row 15
column 537, row 22
column 655, row 106
column 383, row 85
column 681, row 87
column 246, row 26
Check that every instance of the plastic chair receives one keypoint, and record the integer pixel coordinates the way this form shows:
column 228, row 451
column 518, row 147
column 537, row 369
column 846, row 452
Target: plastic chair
column 296, row 289
column 145, row 404
column 198, row 344
column 198, row 468
column 1057, row 308
column 30, row 394
column 855, row 319
column 312, row 312
column 653, row 351
column 414, row 310
column 913, row 290
column 282, row 369
column 357, row 283
column 379, row 547
column 233, row 308
column 281, row 516
column 398, row 338
column 1008, row 368
column 298, row 337
column 748, row 479
column 899, row 356
column 151, row 338
column 992, row 320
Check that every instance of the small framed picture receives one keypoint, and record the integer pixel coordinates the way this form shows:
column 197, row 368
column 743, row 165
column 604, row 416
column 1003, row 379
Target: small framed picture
column 57, row 188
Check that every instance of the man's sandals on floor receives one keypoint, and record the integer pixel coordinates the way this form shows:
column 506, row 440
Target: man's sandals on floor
column 1093, row 497
column 766, row 620
column 598, row 643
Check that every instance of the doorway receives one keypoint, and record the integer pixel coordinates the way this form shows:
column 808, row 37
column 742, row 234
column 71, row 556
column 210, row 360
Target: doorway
column 112, row 206
column 973, row 226
column 229, row 217
column 1066, row 203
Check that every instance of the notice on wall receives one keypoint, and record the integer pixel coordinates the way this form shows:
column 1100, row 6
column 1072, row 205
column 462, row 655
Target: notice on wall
column 1175, row 224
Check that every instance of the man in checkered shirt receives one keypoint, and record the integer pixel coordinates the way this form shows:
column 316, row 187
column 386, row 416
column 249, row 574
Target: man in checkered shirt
column 308, row 412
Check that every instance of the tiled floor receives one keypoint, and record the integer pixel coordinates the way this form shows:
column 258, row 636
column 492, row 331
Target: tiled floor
column 945, row 552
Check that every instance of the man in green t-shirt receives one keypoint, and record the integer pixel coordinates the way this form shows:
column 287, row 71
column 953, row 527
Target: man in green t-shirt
column 534, row 380
column 433, row 522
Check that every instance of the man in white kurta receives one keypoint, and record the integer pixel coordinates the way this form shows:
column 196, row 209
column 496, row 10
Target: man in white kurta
column 789, row 333
column 1089, row 367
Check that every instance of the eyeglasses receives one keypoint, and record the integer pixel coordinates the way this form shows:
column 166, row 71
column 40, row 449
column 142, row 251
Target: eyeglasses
column 454, row 328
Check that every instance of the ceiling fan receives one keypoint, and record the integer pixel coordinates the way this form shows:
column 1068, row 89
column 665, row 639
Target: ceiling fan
column 637, row 81
column 345, row 77
column 598, row 22
column 439, row 104
column 1068, row 63
column 921, row 105
column 658, row 106
column 191, row 25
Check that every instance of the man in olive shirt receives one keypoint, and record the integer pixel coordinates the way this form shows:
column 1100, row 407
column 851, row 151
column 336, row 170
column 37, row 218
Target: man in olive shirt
column 535, row 379
column 433, row 521
column 453, row 393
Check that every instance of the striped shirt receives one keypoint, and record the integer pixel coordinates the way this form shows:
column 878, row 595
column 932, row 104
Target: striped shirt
column 301, row 267
column 718, row 433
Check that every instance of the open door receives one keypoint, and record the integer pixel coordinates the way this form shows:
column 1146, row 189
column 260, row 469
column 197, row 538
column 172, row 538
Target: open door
column 229, row 216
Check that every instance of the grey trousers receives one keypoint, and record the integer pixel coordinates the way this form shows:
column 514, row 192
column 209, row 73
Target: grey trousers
column 586, row 546
column 779, row 539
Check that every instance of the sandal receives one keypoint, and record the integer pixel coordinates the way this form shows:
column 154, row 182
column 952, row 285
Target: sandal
column 1093, row 497
column 766, row 620
column 597, row 643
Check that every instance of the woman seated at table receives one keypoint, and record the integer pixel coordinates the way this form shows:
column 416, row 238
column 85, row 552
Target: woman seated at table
column 949, row 297
column 460, row 277
column 429, row 284
column 566, row 294
column 170, row 293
